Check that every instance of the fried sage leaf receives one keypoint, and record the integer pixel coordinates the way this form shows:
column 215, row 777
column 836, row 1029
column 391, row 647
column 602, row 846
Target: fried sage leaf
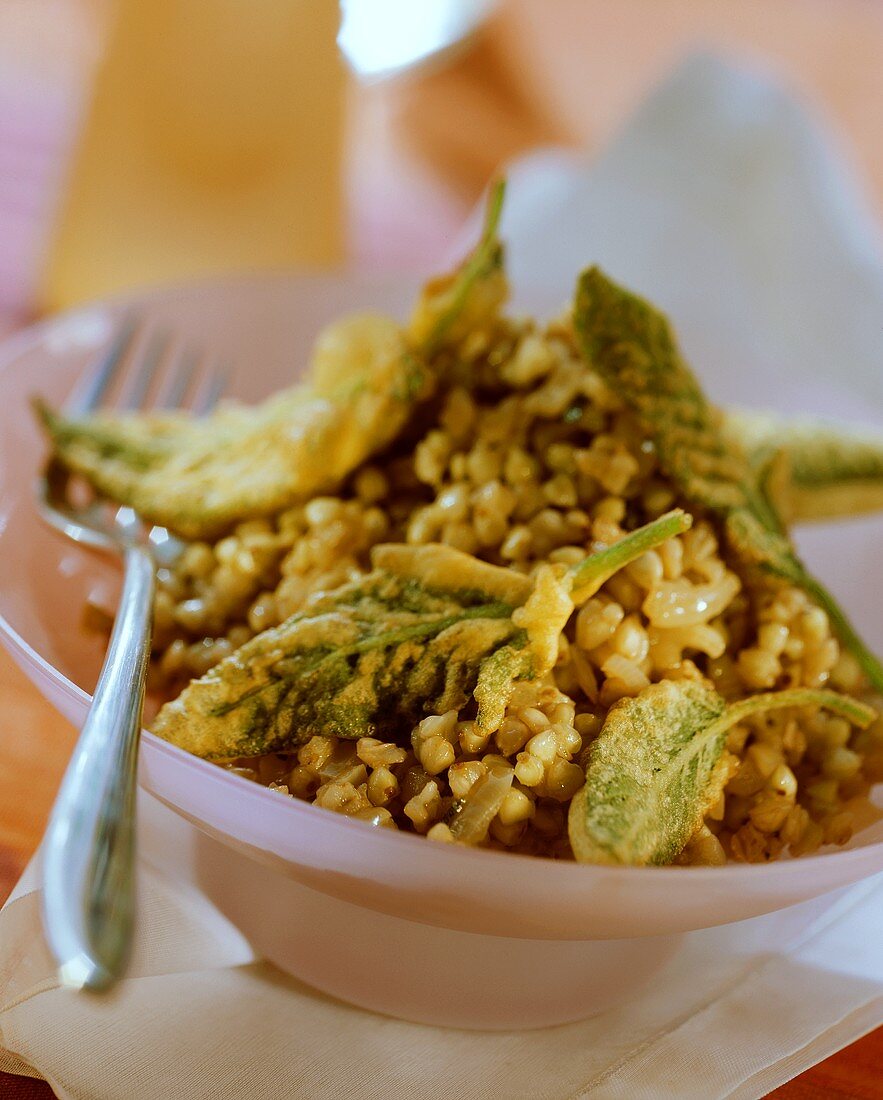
column 632, row 346
column 200, row 476
column 452, row 306
column 427, row 628
column 659, row 765
column 829, row 470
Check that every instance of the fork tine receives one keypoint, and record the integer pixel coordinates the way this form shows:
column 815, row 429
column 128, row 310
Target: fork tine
column 183, row 369
column 212, row 389
column 87, row 396
column 136, row 394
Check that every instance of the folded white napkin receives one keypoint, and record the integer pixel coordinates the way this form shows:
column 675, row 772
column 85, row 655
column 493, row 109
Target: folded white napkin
column 722, row 201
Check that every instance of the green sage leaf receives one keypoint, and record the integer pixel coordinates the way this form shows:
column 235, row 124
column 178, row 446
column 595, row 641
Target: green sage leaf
column 426, row 630
column 830, row 470
column 199, row 476
column 658, row 766
column 632, row 346
column 452, row 306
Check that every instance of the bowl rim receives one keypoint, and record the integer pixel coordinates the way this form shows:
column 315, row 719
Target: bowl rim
column 33, row 335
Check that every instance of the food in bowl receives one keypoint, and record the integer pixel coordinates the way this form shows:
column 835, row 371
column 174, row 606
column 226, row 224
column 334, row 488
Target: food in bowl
column 508, row 585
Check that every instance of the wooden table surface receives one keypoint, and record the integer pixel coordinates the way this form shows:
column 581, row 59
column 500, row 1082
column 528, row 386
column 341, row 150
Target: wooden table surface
column 543, row 71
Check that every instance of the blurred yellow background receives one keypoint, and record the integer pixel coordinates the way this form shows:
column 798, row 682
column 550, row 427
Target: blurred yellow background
column 213, row 143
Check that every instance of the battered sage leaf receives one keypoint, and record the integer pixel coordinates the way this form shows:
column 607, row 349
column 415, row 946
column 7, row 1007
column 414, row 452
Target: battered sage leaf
column 426, row 629
column 452, row 306
column 198, row 477
column 632, row 346
column 821, row 470
column 658, row 765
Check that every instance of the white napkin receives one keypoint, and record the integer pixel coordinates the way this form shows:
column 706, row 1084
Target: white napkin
column 722, row 201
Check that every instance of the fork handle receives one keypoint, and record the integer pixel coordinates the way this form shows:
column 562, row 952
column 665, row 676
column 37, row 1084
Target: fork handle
column 89, row 849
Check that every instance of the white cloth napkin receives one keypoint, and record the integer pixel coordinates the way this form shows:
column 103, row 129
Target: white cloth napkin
column 722, row 201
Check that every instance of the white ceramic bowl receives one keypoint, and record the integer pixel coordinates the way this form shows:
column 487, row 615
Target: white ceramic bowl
column 479, row 938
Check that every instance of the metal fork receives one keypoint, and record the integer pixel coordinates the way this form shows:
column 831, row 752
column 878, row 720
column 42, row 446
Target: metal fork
column 89, row 850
